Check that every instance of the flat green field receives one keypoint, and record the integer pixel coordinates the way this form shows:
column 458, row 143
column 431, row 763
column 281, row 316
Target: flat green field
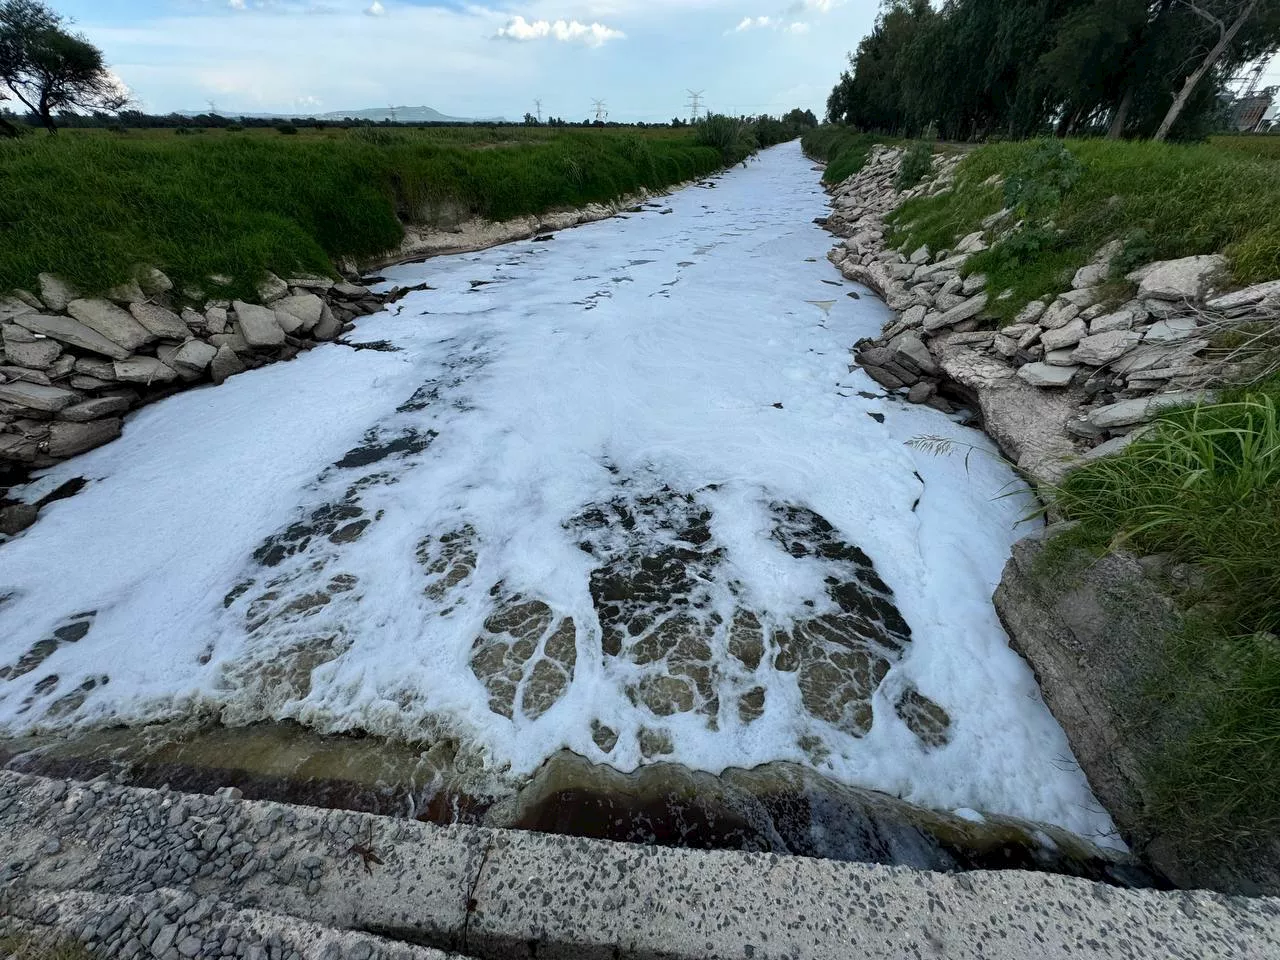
column 91, row 205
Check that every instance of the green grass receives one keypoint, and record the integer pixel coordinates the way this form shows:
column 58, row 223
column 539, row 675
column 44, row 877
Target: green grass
column 26, row 948
column 1257, row 144
column 1204, row 487
column 92, row 205
column 1164, row 201
column 844, row 150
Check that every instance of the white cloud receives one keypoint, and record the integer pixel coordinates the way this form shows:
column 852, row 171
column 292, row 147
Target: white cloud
column 235, row 4
column 813, row 6
column 566, row 31
column 751, row 23
column 375, row 9
column 798, row 27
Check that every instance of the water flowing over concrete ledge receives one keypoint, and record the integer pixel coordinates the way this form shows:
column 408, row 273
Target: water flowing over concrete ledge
column 137, row 873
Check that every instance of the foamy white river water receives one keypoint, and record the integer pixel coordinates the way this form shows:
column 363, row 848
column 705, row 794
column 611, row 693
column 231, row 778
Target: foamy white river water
column 617, row 491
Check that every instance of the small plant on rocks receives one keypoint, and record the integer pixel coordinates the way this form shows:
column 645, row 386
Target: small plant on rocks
column 917, row 164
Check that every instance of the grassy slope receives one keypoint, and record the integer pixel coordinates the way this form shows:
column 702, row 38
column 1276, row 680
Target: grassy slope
column 1163, row 201
column 1204, row 488
column 90, row 207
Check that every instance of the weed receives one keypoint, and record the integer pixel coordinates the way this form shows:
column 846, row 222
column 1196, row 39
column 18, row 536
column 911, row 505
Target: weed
column 917, row 163
column 1204, row 487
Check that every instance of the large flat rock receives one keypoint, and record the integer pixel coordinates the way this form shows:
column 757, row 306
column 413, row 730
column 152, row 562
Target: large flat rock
column 1027, row 422
column 112, row 322
column 73, row 333
column 35, row 396
column 259, row 325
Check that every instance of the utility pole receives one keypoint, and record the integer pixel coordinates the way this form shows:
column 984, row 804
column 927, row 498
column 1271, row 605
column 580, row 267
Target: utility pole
column 392, row 111
column 538, row 103
column 601, row 113
column 695, row 103
column 213, row 108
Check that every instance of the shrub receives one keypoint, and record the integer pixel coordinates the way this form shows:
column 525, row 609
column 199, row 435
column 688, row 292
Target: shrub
column 1042, row 177
column 183, row 131
column 288, row 129
column 235, row 127
column 917, row 163
column 118, row 128
column 729, row 135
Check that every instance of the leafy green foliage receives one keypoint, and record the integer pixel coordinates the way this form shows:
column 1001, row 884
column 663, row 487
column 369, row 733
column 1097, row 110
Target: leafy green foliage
column 91, row 207
column 917, row 163
column 1043, row 175
column 1204, row 487
column 1024, row 68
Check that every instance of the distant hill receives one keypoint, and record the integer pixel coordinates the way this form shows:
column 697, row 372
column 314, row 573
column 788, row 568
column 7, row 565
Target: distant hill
column 402, row 115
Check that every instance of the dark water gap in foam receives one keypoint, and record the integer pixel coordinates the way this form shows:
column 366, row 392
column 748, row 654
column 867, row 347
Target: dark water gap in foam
column 779, row 808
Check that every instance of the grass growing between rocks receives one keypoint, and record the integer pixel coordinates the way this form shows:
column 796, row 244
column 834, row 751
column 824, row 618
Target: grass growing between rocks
column 91, row 208
column 27, row 948
column 1203, row 486
column 1162, row 201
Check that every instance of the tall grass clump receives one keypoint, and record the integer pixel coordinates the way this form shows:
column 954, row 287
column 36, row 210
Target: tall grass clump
column 917, row 163
column 91, row 208
column 1164, row 201
column 730, row 136
column 1203, row 486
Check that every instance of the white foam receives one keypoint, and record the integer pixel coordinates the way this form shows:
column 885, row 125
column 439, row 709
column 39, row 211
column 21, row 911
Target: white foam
column 574, row 368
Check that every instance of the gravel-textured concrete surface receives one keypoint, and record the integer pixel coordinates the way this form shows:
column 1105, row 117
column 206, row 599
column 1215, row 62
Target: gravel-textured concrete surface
column 138, row 873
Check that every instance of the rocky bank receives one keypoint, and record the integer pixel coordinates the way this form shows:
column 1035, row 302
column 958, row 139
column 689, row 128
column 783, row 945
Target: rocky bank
column 1073, row 378
column 73, row 365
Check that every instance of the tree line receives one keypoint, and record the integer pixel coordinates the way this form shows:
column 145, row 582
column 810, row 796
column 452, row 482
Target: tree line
column 974, row 69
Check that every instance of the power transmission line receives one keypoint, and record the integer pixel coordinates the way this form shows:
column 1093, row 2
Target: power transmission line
column 695, row 102
column 601, row 113
column 538, row 103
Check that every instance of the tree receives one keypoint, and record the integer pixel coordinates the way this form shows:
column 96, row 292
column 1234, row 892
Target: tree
column 49, row 69
column 1232, row 20
column 530, row 120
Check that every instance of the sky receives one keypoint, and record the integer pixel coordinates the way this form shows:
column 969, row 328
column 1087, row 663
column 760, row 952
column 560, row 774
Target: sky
column 481, row 59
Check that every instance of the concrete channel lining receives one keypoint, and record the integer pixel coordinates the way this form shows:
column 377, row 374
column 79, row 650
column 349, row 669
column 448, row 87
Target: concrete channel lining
column 509, row 894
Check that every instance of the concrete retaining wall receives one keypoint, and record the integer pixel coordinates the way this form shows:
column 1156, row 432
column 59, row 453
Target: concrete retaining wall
column 500, row 894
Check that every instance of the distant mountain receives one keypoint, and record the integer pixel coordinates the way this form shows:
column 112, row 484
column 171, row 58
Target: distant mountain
column 401, row 115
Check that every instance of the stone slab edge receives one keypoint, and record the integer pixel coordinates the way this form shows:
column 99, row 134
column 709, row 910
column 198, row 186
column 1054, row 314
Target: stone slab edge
column 503, row 894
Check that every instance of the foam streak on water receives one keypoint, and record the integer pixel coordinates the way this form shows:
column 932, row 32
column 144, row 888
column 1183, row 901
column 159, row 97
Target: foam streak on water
column 617, row 492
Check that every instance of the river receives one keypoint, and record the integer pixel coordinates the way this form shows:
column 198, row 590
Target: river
column 615, row 491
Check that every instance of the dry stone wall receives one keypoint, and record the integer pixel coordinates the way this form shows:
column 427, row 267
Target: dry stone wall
column 71, row 366
column 1075, row 376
